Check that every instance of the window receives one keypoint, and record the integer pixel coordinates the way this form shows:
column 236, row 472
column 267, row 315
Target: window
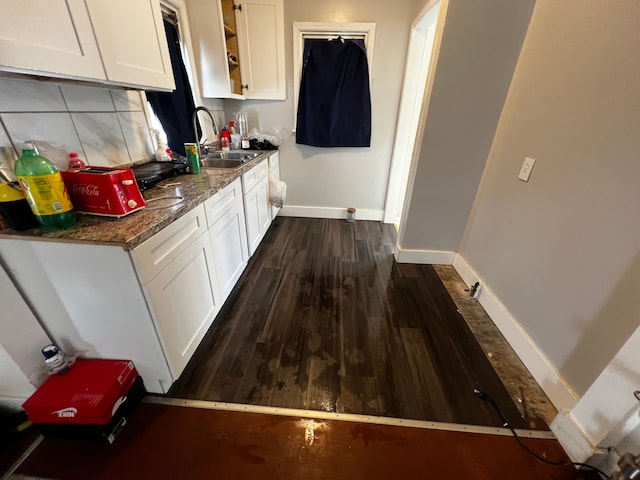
column 176, row 108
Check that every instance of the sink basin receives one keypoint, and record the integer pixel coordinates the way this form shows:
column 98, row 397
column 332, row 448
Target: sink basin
column 221, row 163
column 227, row 159
column 242, row 155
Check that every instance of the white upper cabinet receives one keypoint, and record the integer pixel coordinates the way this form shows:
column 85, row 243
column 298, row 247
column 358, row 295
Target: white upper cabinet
column 239, row 48
column 118, row 42
column 48, row 36
column 132, row 42
column 209, row 38
column 261, row 44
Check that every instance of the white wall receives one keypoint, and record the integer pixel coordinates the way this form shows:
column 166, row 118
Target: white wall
column 21, row 342
column 341, row 177
column 608, row 413
column 562, row 251
column 13, row 382
column 475, row 63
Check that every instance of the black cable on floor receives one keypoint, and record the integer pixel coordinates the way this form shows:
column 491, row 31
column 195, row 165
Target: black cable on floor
column 484, row 396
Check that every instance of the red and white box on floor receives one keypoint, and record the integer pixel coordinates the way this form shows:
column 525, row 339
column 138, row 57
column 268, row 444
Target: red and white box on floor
column 91, row 401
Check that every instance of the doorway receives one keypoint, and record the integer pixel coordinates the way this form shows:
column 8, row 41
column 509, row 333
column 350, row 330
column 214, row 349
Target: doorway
column 416, row 89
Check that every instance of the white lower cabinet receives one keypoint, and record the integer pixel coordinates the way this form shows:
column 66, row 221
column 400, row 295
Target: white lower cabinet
column 157, row 252
column 177, row 272
column 153, row 304
column 184, row 301
column 227, row 231
column 257, row 207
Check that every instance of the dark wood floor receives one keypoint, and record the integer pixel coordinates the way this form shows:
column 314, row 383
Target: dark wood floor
column 325, row 319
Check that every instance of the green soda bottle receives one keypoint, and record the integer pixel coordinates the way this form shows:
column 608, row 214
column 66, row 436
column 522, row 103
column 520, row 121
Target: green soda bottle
column 42, row 184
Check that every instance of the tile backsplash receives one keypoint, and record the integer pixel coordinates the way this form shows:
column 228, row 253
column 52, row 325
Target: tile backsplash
column 105, row 126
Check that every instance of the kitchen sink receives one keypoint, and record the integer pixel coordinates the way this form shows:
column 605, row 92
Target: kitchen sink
column 227, row 159
column 233, row 155
column 221, row 163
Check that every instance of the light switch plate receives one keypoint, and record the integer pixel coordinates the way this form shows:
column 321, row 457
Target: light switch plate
column 525, row 171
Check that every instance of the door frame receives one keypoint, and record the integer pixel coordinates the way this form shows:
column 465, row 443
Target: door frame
column 422, row 58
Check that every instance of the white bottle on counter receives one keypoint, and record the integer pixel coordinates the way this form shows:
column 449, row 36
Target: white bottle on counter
column 243, row 130
column 161, row 154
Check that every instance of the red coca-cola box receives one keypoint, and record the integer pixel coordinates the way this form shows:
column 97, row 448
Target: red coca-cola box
column 90, row 401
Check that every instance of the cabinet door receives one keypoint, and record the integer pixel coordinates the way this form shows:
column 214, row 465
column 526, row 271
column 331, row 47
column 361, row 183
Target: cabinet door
column 261, row 44
column 209, row 38
column 184, row 302
column 257, row 213
column 229, row 245
column 52, row 37
column 252, row 218
column 132, row 42
column 264, row 210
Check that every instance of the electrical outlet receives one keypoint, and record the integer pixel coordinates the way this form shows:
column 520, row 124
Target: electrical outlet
column 525, row 171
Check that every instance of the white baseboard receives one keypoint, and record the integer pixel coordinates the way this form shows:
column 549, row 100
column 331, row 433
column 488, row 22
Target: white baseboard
column 329, row 212
column 425, row 257
column 553, row 384
column 573, row 440
column 464, row 270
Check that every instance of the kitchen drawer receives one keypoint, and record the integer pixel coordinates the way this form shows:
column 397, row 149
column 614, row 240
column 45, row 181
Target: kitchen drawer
column 218, row 204
column 253, row 176
column 152, row 256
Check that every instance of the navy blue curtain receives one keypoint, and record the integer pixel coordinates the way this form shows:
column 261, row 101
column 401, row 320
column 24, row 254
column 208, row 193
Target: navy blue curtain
column 174, row 109
column 334, row 105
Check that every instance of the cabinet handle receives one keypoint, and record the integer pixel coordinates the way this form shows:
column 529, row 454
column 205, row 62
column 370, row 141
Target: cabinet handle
column 245, row 87
column 237, row 7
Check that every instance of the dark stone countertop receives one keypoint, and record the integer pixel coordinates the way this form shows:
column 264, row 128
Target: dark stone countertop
column 130, row 231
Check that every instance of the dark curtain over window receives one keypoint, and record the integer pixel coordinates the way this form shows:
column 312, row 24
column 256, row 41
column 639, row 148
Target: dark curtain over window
column 174, row 109
column 334, row 105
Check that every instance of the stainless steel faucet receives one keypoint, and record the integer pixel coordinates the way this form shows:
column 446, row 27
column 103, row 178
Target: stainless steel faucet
column 194, row 119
